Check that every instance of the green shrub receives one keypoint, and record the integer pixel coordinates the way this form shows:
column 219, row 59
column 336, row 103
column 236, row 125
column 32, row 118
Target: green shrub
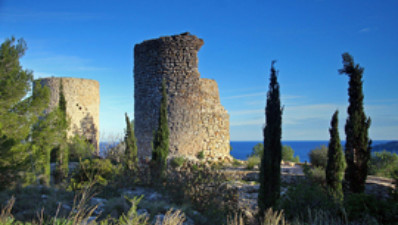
column 258, row 150
column 288, row 154
column 367, row 206
column 94, row 171
column 31, row 199
column 201, row 155
column 236, row 163
column 316, row 175
column 203, row 187
column 319, row 156
column 177, row 161
column 383, row 164
column 115, row 207
column 253, row 161
column 304, row 196
column 80, row 149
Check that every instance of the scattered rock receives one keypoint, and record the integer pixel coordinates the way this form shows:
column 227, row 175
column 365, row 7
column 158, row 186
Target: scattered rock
column 251, row 176
column 143, row 212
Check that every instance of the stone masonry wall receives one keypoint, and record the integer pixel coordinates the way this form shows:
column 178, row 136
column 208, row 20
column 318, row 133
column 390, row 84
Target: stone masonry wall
column 195, row 122
column 82, row 105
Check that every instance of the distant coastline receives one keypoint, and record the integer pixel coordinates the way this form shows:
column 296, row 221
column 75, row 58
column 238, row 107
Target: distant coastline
column 241, row 149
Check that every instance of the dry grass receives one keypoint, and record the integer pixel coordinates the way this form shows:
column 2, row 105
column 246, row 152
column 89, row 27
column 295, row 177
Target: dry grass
column 172, row 218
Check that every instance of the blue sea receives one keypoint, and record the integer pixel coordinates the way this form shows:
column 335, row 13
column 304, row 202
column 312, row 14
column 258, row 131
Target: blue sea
column 242, row 149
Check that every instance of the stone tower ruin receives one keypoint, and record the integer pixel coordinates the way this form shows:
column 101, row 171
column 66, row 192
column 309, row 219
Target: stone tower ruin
column 82, row 105
column 197, row 121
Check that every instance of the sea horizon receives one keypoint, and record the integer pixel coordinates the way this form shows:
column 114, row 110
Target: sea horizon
column 242, row 149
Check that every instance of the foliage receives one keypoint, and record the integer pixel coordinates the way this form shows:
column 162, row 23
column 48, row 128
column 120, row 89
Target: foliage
column 204, row 188
column 5, row 215
column 367, row 206
column 336, row 163
column 304, row 196
column 358, row 145
column 288, row 154
column 201, row 155
column 383, row 164
column 236, row 219
column 160, row 146
column 94, row 171
column 62, row 150
column 316, row 175
column 18, row 112
column 177, row 161
column 132, row 217
column 131, row 158
column 270, row 166
column 272, row 217
column 319, row 156
column 79, row 149
column 236, row 163
column 172, row 218
column 253, row 161
column 322, row 217
column 258, row 150
column 31, row 200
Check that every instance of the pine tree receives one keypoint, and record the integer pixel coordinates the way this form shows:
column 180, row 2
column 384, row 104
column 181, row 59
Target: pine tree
column 62, row 151
column 271, row 161
column 357, row 147
column 17, row 114
column 336, row 164
column 131, row 159
column 160, row 145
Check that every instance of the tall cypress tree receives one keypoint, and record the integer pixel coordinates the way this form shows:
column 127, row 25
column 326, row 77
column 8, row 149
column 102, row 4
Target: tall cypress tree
column 160, row 145
column 271, row 161
column 131, row 159
column 336, row 165
column 62, row 154
column 357, row 147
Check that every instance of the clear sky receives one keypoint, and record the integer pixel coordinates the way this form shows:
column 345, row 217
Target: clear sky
column 95, row 40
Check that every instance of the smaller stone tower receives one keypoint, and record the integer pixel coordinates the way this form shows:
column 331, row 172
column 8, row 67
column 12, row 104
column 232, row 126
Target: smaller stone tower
column 82, row 105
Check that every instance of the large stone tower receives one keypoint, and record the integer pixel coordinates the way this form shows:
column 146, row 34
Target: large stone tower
column 196, row 119
column 82, row 105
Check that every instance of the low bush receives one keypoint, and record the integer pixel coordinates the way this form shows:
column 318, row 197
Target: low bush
column 258, row 150
column 253, row 161
column 236, row 163
column 304, row 196
column 383, row 164
column 201, row 155
column 177, row 161
column 319, row 156
column 316, row 174
column 288, row 154
column 359, row 206
column 94, row 171
column 80, row 149
column 205, row 188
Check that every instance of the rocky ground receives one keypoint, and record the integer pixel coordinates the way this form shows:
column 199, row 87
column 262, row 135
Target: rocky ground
column 155, row 204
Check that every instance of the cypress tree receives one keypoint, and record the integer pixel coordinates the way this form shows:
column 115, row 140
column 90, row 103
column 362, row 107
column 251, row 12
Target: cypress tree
column 271, row 160
column 335, row 165
column 357, row 147
column 160, row 145
column 131, row 158
column 62, row 151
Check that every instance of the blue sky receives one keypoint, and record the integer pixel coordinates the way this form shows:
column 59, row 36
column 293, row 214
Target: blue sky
column 95, row 40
